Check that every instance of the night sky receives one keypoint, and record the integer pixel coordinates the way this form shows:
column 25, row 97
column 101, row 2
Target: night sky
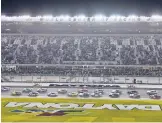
column 87, row 7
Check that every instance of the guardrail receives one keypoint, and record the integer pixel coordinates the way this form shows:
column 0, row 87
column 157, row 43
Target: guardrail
column 67, row 85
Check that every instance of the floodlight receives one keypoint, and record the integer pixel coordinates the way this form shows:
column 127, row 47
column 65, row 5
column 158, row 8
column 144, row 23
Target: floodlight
column 116, row 18
column 99, row 17
column 47, row 16
column 3, row 16
column 25, row 16
column 38, row 17
column 81, row 16
column 63, row 18
column 143, row 18
column 156, row 16
column 66, row 18
column 132, row 17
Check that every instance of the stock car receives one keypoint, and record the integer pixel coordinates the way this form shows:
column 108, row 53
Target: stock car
column 52, row 94
column 62, row 85
column 4, row 89
column 27, row 90
column 151, row 92
column 107, row 86
column 73, row 94
column 114, row 86
column 82, row 90
column 42, row 90
column 53, row 85
column 83, row 86
column 135, row 95
column 132, row 92
column 37, row 85
column 33, row 94
column 155, row 96
column 101, row 91
column 114, row 95
column 16, row 93
column 131, row 87
column 96, row 95
column 73, row 85
column 84, row 94
column 62, row 91
column 100, row 86
column 116, row 91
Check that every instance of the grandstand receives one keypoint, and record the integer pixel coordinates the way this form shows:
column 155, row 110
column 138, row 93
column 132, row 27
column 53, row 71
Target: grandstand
column 79, row 46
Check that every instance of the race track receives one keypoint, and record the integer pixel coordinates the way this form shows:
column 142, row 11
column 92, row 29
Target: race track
column 124, row 94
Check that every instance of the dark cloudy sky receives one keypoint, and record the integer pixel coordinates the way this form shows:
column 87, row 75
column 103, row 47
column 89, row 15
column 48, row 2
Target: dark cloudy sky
column 87, row 7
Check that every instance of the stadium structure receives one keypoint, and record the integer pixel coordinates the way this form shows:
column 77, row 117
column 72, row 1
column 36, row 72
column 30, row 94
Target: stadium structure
column 93, row 59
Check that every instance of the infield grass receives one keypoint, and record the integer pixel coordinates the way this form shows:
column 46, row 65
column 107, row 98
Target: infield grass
column 89, row 115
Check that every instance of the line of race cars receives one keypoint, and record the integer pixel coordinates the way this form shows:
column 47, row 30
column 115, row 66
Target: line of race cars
column 83, row 92
column 82, row 85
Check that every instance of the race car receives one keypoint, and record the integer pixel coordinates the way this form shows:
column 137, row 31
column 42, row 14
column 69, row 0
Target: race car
column 99, row 86
column 116, row 91
column 131, row 87
column 4, row 89
column 52, row 94
column 73, row 94
column 155, row 96
column 84, row 94
column 62, row 91
column 135, row 95
column 82, row 90
column 105, row 86
column 99, row 91
column 53, row 85
column 73, row 85
column 16, row 93
column 139, row 81
column 96, row 95
column 62, row 85
column 132, row 92
column 36, row 85
column 27, row 90
column 114, row 95
column 33, row 94
column 151, row 92
column 42, row 90
column 115, row 86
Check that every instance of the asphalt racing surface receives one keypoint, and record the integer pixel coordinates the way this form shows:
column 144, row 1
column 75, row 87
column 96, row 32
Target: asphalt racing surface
column 124, row 94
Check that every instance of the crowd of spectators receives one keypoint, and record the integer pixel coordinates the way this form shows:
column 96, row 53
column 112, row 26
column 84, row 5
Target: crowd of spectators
column 108, row 50
column 83, row 71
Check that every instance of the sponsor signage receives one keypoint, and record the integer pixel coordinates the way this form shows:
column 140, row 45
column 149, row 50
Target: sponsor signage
column 84, row 106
